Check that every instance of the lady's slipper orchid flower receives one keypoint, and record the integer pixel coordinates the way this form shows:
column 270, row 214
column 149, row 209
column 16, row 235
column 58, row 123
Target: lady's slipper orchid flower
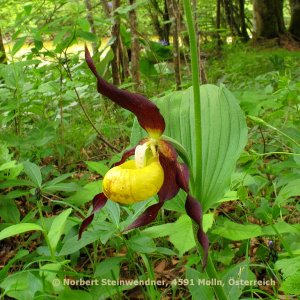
column 154, row 170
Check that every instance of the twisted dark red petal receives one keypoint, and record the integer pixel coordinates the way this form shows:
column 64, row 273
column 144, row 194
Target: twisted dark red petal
column 146, row 111
column 170, row 187
column 167, row 150
column 194, row 210
column 146, row 217
column 182, row 176
column 86, row 222
column 168, row 161
column 98, row 202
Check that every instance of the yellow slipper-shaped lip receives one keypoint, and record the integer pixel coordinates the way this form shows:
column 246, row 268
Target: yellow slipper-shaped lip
column 127, row 184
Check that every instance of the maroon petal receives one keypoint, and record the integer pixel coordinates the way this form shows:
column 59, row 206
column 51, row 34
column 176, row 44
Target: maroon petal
column 86, row 222
column 182, row 176
column 146, row 111
column 168, row 161
column 167, row 150
column 170, row 187
column 194, row 210
column 98, row 202
column 146, row 217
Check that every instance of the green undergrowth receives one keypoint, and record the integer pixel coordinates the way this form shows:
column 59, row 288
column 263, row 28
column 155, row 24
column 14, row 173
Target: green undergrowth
column 52, row 163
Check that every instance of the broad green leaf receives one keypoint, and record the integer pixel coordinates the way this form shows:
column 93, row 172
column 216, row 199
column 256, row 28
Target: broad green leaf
column 224, row 135
column 4, row 271
column 10, row 171
column 233, row 276
column 73, row 244
column 57, row 228
column 199, row 286
column 142, row 244
column 235, row 232
column 8, row 165
column 15, row 182
column 58, row 179
column 183, row 238
column 86, row 194
column 106, row 58
column 180, row 232
column 4, row 154
column 291, row 285
column 18, row 45
column 183, row 223
column 74, row 295
column 83, row 24
column 18, row 229
column 98, row 167
column 62, row 187
column 112, row 210
column 22, row 285
column 38, row 44
column 279, row 227
column 48, row 271
column 86, row 35
column 33, row 172
column 108, row 266
column 9, row 211
column 208, row 220
column 290, row 190
column 16, row 194
column 288, row 266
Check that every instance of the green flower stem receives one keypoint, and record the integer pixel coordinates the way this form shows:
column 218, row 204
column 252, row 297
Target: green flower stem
column 210, row 268
column 282, row 240
column 39, row 206
column 196, row 90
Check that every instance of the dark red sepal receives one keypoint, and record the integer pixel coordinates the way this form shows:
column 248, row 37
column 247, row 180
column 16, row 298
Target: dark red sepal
column 146, row 111
column 194, row 210
column 146, row 217
column 98, row 202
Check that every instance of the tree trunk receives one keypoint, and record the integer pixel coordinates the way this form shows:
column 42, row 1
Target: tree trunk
column 135, row 47
column 268, row 16
column 160, row 19
column 173, row 9
column 244, row 34
column 218, row 24
column 90, row 19
column 229, row 13
column 3, row 59
column 294, row 27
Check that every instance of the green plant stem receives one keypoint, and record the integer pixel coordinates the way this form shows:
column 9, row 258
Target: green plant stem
column 274, row 153
column 197, row 186
column 210, row 269
column 39, row 206
column 212, row 273
column 282, row 240
column 196, row 91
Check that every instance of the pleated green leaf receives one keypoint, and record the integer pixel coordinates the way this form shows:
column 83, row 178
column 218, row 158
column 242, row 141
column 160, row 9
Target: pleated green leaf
column 224, row 135
column 18, row 229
